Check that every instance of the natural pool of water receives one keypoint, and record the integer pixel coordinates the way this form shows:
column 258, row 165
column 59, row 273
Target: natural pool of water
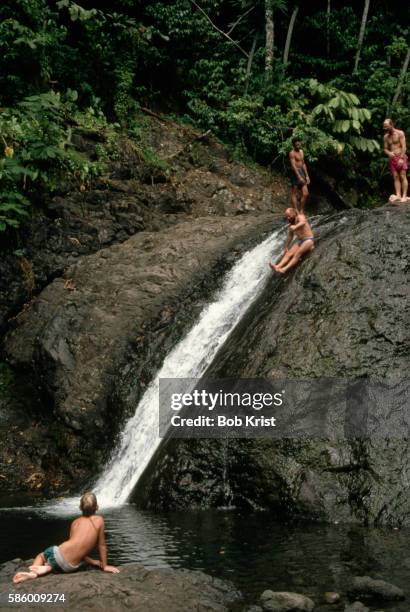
column 254, row 551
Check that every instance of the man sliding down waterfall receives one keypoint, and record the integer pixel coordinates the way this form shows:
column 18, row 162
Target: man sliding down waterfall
column 305, row 242
column 86, row 533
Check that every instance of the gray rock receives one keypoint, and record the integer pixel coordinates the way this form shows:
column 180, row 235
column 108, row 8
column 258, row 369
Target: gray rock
column 282, row 601
column 343, row 313
column 367, row 588
column 161, row 590
column 357, row 606
column 331, row 597
column 79, row 337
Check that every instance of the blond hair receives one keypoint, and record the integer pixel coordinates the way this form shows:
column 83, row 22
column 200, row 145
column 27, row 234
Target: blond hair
column 88, row 504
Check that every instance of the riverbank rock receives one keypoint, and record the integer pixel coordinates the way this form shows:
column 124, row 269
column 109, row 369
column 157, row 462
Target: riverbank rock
column 368, row 589
column 357, row 606
column 277, row 601
column 343, row 314
column 134, row 588
column 332, row 597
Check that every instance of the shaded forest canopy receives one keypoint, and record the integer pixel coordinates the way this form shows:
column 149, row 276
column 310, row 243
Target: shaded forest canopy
column 256, row 73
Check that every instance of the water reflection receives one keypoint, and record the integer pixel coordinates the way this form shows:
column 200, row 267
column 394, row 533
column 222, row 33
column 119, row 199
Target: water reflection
column 253, row 551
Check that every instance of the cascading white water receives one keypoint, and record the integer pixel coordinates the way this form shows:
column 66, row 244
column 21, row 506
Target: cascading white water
column 189, row 359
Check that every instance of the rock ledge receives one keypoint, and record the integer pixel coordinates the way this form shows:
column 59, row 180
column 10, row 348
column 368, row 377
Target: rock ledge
column 135, row 588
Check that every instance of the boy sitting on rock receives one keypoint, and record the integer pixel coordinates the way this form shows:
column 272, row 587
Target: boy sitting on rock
column 85, row 533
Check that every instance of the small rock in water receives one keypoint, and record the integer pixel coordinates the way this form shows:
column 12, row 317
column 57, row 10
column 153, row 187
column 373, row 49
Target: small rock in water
column 282, row 601
column 367, row 588
column 357, row 606
column 331, row 597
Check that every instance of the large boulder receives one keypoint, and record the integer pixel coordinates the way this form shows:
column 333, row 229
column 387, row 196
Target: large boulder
column 188, row 176
column 368, row 589
column 343, row 313
column 121, row 308
column 134, row 588
column 283, row 601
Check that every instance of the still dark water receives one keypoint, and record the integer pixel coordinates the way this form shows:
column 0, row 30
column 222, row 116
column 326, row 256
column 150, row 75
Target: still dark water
column 252, row 550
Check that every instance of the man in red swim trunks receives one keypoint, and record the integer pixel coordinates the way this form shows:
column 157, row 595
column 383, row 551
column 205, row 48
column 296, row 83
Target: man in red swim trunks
column 395, row 149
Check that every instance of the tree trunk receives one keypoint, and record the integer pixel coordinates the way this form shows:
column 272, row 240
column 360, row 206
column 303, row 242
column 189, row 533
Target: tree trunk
column 289, row 34
column 270, row 38
column 402, row 77
column 328, row 13
column 361, row 35
column 250, row 60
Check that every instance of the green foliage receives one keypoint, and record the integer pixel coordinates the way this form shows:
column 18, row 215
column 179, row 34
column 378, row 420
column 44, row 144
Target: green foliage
column 13, row 206
column 328, row 120
column 138, row 132
column 339, row 115
column 208, row 64
column 30, row 40
column 37, row 153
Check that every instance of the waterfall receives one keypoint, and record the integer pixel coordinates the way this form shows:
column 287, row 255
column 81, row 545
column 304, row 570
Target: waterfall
column 189, row 359
column 226, row 487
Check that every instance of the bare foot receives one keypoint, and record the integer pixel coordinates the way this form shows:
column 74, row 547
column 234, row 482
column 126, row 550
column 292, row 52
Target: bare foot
column 23, row 576
column 40, row 570
column 404, row 199
column 276, row 267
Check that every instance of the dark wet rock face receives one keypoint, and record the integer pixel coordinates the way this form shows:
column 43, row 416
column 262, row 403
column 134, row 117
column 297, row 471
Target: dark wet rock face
column 368, row 589
column 103, row 283
column 88, row 344
column 344, row 313
column 191, row 178
column 278, row 601
column 331, row 597
column 134, row 588
column 356, row 606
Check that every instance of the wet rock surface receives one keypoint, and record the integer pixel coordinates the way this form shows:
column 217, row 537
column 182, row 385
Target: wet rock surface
column 121, row 229
column 367, row 589
column 331, row 597
column 86, row 330
column 134, row 588
column 356, row 606
column 345, row 313
column 190, row 177
column 273, row 601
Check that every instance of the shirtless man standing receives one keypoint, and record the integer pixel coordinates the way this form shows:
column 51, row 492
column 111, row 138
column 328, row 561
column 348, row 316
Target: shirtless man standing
column 305, row 241
column 86, row 533
column 300, row 177
column 395, row 149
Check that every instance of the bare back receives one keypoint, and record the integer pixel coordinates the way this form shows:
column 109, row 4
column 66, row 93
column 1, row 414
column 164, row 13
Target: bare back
column 85, row 533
